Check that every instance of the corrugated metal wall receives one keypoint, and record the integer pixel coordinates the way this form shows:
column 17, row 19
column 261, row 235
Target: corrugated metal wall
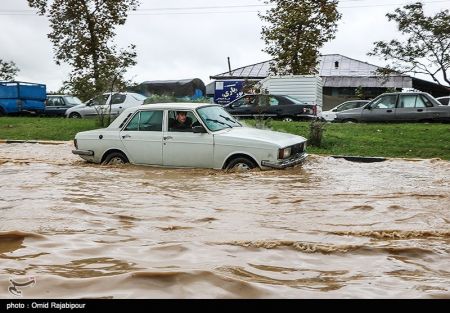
column 307, row 88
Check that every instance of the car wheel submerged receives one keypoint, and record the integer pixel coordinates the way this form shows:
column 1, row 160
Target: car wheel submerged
column 115, row 158
column 240, row 164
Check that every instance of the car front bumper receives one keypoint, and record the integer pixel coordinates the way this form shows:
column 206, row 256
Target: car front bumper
column 297, row 159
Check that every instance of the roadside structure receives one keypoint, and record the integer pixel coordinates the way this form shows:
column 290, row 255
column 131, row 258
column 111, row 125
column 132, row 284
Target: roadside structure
column 343, row 78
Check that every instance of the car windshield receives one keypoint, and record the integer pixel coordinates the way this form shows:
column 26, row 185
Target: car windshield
column 139, row 97
column 73, row 100
column 216, row 118
column 295, row 100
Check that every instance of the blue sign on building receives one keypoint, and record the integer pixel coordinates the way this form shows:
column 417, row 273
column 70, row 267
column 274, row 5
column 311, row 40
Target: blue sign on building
column 228, row 90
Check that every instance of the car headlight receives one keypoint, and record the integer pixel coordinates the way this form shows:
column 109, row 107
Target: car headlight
column 284, row 153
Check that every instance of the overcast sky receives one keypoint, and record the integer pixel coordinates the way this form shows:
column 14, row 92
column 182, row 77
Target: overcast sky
column 179, row 39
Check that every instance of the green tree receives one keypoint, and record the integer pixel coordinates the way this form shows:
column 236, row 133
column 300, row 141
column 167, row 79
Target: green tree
column 82, row 33
column 8, row 70
column 359, row 92
column 295, row 31
column 426, row 48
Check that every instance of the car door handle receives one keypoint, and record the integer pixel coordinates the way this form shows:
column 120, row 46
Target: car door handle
column 389, row 111
column 167, row 137
column 420, row 110
column 126, row 136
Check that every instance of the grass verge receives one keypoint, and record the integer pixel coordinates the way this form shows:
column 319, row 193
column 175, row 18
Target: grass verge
column 373, row 140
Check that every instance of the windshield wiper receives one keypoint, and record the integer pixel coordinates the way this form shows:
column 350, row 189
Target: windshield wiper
column 230, row 120
column 219, row 122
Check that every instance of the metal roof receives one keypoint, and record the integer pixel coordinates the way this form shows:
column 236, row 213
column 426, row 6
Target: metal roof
column 329, row 65
column 336, row 71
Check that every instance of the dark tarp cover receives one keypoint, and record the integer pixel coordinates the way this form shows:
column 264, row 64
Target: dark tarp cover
column 192, row 88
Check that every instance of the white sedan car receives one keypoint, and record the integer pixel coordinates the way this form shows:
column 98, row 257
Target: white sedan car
column 116, row 102
column 215, row 139
column 330, row 115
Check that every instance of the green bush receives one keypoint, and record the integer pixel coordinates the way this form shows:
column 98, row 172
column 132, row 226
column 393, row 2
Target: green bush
column 170, row 99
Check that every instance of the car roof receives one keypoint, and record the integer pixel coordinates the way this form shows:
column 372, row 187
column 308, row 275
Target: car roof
column 159, row 106
column 175, row 105
column 445, row 97
column 122, row 93
column 360, row 100
column 405, row 93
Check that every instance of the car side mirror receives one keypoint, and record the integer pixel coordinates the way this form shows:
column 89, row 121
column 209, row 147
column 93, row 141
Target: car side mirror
column 368, row 107
column 334, row 110
column 199, row 129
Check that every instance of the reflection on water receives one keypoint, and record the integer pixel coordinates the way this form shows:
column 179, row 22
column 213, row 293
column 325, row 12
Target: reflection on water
column 331, row 228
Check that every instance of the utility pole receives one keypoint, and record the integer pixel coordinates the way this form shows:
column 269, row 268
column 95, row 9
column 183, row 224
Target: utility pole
column 229, row 66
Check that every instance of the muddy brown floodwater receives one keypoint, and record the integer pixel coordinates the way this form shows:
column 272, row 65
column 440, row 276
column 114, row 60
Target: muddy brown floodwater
column 330, row 229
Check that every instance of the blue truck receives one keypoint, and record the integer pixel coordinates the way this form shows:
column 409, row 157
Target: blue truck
column 21, row 97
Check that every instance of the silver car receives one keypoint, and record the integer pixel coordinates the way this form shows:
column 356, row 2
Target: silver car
column 215, row 139
column 116, row 102
column 398, row 107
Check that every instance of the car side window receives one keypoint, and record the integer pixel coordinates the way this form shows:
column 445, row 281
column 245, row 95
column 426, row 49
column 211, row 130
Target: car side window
column 413, row 101
column 146, row 121
column 264, row 100
column 408, row 101
column 100, row 100
column 151, row 121
column 190, row 122
column 248, row 101
column 420, row 103
column 345, row 106
column 426, row 101
column 273, row 101
column 384, row 102
column 239, row 102
column 50, row 102
column 133, row 125
column 118, row 98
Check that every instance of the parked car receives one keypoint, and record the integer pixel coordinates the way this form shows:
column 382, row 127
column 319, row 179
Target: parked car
column 398, row 107
column 57, row 105
column 278, row 107
column 330, row 115
column 444, row 100
column 118, row 102
column 141, row 135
